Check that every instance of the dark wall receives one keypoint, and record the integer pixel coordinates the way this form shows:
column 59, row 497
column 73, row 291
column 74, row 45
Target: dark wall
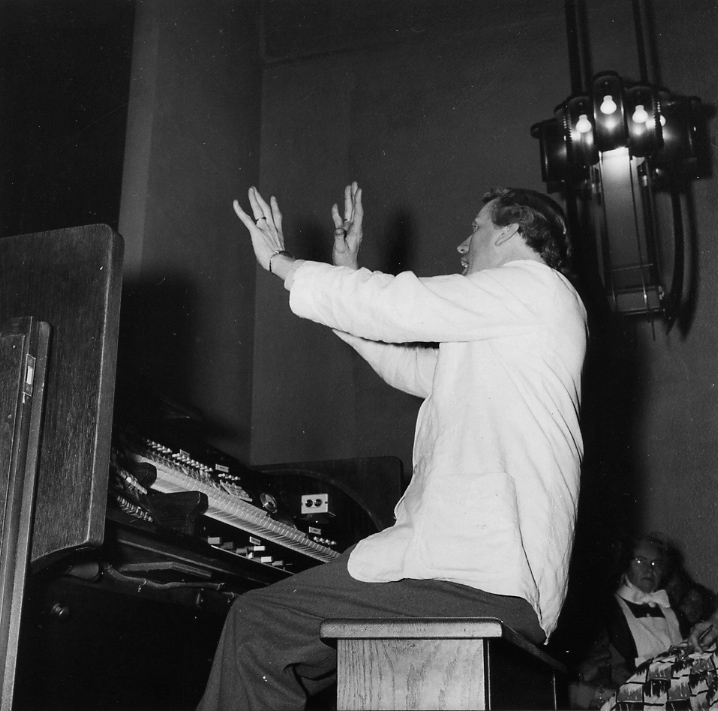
column 425, row 112
column 192, row 146
column 146, row 116
column 64, row 78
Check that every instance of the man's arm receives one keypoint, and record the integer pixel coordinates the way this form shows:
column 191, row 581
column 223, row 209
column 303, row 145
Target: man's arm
column 495, row 303
column 409, row 368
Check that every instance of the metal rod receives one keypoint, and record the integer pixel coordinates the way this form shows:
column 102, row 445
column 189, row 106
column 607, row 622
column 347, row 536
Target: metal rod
column 674, row 297
column 640, row 46
column 574, row 57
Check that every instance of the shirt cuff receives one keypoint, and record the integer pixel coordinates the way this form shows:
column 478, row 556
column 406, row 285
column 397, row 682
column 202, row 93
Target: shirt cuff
column 289, row 279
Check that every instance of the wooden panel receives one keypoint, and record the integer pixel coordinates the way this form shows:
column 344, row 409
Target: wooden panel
column 410, row 628
column 70, row 279
column 23, row 365
column 416, row 674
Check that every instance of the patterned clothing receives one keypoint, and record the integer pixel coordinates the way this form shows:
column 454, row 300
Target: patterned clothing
column 674, row 681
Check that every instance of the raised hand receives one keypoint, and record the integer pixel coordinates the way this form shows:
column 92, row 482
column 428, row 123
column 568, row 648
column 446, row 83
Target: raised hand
column 348, row 231
column 266, row 227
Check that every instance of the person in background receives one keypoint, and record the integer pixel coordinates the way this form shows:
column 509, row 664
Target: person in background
column 486, row 525
column 638, row 623
column 696, row 605
column 691, row 601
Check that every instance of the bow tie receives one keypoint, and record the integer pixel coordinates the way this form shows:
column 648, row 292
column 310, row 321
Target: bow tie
column 630, row 593
column 644, row 610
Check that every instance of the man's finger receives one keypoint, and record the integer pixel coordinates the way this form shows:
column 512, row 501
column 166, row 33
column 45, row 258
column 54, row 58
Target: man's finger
column 246, row 219
column 348, row 207
column 335, row 216
column 257, row 211
column 264, row 209
column 276, row 213
column 358, row 208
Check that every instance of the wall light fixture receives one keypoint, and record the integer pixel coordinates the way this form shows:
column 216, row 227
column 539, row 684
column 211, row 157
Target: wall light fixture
column 622, row 152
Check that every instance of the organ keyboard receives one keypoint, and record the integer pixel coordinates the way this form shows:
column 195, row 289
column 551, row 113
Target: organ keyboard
column 177, row 472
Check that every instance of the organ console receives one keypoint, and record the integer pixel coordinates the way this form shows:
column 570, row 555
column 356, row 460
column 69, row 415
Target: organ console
column 142, row 533
column 229, row 504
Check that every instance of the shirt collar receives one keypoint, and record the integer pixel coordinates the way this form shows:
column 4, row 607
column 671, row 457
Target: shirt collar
column 628, row 591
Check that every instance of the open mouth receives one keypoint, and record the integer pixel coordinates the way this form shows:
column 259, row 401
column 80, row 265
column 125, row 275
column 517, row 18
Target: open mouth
column 465, row 264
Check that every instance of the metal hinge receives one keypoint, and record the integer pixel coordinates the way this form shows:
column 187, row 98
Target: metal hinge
column 29, row 375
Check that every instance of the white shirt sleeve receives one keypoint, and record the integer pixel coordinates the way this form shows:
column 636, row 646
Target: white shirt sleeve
column 409, row 368
column 409, row 309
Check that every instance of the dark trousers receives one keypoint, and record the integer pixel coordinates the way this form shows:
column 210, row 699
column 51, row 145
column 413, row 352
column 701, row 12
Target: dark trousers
column 270, row 656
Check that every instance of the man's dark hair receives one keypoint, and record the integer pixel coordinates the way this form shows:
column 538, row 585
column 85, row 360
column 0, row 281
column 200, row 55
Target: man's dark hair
column 541, row 222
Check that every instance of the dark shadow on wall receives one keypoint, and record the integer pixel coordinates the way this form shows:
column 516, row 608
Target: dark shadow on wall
column 397, row 241
column 157, row 329
column 64, row 77
column 312, row 240
column 157, row 359
column 610, row 500
column 389, row 251
column 154, row 363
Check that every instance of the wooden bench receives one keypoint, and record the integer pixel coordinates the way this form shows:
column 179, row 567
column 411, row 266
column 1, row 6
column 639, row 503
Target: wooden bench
column 440, row 663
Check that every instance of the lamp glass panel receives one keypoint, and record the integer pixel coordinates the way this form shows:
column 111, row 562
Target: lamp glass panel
column 629, row 261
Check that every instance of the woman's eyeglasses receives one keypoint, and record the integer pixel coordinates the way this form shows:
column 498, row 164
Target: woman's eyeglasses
column 642, row 562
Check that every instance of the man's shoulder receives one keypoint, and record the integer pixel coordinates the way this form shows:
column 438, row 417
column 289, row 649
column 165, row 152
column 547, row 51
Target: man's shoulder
column 534, row 277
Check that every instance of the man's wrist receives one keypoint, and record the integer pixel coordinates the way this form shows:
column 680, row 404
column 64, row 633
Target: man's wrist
column 280, row 263
column 276, row 253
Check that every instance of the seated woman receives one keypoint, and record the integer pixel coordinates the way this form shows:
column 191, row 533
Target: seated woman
column 638, row 623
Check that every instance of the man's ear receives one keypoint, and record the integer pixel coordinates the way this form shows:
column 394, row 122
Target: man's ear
column 507, row 233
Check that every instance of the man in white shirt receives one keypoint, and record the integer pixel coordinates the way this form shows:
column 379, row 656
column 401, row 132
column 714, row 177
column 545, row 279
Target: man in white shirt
column 486, row 526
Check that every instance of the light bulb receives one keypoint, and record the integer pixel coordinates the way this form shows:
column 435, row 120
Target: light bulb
column 640, row 115
column 583, row 125
column 662, row 119
column 609, row 105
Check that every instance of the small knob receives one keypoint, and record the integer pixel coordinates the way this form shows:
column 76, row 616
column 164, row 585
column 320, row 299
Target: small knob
column 60, row 611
